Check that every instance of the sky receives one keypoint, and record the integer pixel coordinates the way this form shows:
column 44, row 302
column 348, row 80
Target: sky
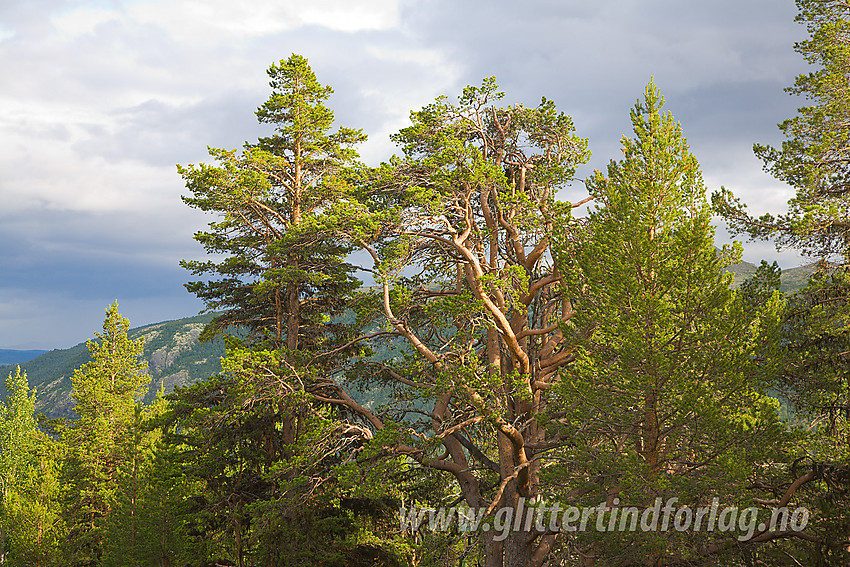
column 100, row 100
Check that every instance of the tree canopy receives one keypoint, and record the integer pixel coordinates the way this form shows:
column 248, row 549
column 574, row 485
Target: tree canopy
column 272, row 227
column 511, row 363
column 667, row 397
column 814, row 161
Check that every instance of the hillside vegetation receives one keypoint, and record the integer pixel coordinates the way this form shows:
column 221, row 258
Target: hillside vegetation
column 793, row 279
column 172, row 351
column 514, row 366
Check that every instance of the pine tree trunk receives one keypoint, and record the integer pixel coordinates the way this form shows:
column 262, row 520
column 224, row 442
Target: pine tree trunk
column 2, row 544
column 3, row 524
column 651, row 431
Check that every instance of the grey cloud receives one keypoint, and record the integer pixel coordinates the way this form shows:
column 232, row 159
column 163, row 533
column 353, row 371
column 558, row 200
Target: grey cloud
column 93, row 254
column 597, row 59
column 60, row 318
column 60, row 271
column 162, row 134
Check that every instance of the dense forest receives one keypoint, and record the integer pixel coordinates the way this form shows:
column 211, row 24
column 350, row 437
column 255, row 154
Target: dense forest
column 555, row 388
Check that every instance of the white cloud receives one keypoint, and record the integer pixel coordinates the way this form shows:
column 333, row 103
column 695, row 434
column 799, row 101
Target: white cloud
column 347, row 16
column 82, row 21
column 42, row 170
column 210, row 21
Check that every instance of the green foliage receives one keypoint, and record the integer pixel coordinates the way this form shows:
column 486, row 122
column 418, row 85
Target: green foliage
column 19, row 430
column 142, row 528
column 519, row 353
column 99, row 444
column 814, row 335
column 810, row 160
column 465, row 222
column 816, row 382
column 275, row 229
column 667, row 397
column 30, row 526
column 269, row 452
column 266, row 465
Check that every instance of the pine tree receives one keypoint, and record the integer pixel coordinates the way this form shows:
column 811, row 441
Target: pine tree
column 666, row 397
column 145, row 526
column 470, row 302
column 99, row 444
column 250, row 433
column 17, row 443
column 30, row 524
column 274, row 232
column 814, row 161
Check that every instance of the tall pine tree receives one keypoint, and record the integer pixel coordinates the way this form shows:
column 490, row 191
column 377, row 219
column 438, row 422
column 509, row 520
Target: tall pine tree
column 100, row 443
column 256, row 438
column 815, row 161
column 666, row 397
column 283, row 272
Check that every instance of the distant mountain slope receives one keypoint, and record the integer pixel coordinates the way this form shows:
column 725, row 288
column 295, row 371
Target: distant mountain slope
column 793, row 279
column 172, row 351
column 11, row 356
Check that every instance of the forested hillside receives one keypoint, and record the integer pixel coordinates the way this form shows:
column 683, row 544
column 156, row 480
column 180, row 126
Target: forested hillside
column 172, row 351
column 791, row 280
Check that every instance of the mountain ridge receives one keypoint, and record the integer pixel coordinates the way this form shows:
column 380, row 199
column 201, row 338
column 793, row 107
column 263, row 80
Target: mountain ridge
column 791, row 281
column 16, row 356
column 172, row 351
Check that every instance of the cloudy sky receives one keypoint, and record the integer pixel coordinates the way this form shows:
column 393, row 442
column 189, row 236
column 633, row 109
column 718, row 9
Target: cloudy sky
column 100, row 99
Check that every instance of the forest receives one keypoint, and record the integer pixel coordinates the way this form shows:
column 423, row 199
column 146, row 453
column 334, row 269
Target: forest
column 556, row 387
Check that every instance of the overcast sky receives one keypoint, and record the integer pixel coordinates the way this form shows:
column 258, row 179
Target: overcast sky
column 100, row 99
